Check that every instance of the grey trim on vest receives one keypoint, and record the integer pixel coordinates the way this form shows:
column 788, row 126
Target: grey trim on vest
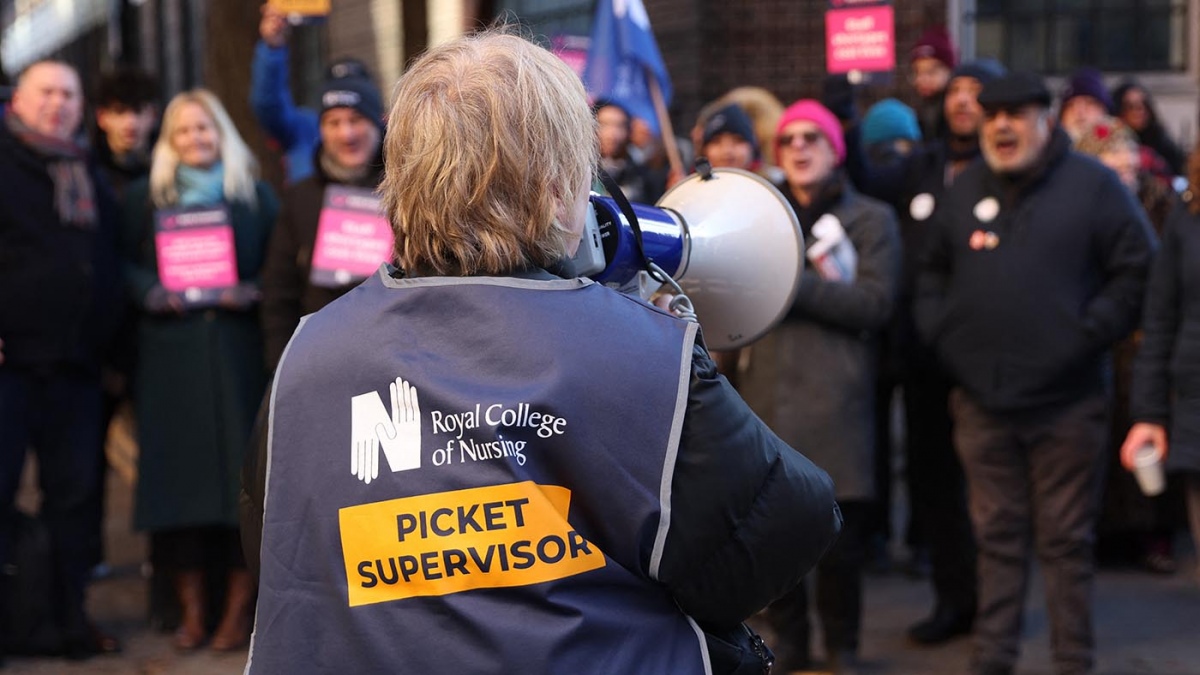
column 507, row 282
column 271, row 456
column 703, row 644
column 668, row 473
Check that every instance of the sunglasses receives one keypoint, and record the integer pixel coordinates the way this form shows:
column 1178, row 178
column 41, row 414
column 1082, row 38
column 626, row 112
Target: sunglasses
column 810, row 138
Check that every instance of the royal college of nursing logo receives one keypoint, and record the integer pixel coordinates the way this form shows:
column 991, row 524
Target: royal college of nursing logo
column 490, row 536
column 398, row 431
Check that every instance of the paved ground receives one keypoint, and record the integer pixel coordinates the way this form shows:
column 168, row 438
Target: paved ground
column 1144, row 624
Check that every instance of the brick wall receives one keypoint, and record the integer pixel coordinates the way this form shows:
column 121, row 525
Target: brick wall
column 712, row 46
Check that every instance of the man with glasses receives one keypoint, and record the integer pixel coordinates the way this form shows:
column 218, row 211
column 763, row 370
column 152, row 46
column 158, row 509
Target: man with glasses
column 1035, row 267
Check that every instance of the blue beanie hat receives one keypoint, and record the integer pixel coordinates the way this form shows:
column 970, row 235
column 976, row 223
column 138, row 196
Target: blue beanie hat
column 731, row 120
column 1088, row 82
column 983, row 70
column 890, row 120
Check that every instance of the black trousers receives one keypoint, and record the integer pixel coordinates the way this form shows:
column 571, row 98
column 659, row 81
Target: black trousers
column 839, row 579
column 1034, row 484
column 59, row 416
column 937, row 491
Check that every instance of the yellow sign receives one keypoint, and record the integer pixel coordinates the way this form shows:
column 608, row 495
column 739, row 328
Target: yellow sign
column 490, row 537
column 303, row 7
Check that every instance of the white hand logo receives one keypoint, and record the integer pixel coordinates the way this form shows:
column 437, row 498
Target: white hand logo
column 372, row 426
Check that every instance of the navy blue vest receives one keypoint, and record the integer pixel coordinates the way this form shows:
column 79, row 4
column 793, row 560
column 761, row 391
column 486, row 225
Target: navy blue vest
column 473, row 475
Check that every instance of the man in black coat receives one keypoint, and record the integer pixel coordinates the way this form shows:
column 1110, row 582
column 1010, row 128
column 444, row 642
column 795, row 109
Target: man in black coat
column 58, row 305
column 1035, row 267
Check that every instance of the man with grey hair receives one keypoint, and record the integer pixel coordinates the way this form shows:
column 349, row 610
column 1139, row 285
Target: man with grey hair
column 1036, row 266
column 58, row 306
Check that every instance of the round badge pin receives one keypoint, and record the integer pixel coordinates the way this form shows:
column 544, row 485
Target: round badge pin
column 921, row 206
column 991, row 240
column 977, row 240
column 987, row 209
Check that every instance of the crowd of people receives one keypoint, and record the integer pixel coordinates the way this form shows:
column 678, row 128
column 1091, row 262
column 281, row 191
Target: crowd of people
column 1019, row 281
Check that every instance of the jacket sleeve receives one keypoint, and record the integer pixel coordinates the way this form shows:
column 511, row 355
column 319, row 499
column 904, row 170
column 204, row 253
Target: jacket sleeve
column 750, row 515
column 1124, row 247
column 282, row 287
column 254, row 487
column 867, row 303
column 136, row 246
column 934, row 270
column 1150, row 399
column 270, row 97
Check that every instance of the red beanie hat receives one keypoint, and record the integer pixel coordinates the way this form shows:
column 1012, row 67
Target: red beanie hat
column 935, row 44
column 809, row 110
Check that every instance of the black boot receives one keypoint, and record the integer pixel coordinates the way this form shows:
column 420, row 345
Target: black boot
column 945, row 625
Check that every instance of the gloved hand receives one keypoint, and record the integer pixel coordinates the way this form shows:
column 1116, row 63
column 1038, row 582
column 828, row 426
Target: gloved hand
column 240, row 297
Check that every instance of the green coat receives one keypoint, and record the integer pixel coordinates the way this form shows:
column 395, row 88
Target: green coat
column 199, row 379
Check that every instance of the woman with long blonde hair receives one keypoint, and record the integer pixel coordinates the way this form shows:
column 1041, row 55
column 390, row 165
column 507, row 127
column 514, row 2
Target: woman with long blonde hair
column 200, row 371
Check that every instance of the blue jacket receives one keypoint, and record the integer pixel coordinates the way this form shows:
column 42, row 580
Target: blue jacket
column 295, row 129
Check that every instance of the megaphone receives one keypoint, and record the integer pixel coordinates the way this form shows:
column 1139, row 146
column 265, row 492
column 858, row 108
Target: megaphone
column 726, row 236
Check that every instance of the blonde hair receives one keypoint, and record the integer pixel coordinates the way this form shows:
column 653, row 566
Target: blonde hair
column 489, row 142
column 241, row 168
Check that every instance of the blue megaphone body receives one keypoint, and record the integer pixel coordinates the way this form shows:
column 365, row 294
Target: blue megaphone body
column 728, row 238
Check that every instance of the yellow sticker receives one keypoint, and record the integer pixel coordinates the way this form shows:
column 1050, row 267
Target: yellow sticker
column 489, row 537
column 303, row 7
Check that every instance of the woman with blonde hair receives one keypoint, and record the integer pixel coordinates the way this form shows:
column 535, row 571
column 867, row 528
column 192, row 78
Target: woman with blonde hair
column 200, row 372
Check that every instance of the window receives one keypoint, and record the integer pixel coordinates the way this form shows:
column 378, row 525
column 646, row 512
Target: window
column 1058, row 36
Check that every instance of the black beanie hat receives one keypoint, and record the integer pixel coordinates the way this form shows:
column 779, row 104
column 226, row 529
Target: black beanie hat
column 357, row 93
column 730, row 120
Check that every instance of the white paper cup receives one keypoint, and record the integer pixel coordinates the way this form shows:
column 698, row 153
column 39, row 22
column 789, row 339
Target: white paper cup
column 1148, row 469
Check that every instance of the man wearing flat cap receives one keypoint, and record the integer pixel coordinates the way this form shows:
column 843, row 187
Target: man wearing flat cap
column 1035, row 266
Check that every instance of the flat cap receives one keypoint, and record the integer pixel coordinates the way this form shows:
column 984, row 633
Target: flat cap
column 1014, row 90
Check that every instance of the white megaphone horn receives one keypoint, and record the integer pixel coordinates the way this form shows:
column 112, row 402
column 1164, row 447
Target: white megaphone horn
column 726, row 236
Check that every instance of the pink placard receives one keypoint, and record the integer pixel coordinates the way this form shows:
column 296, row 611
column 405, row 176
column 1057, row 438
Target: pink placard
column 195, row 250
column 573, row 50
column 860, row 38
column 353, row 237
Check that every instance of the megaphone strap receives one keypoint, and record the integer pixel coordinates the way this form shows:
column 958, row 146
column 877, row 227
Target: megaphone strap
column 614, row 191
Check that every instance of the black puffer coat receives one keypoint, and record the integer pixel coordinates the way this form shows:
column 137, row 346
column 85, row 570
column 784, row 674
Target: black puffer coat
column 60, row 292
column 1028, row 281
column 1166, row 376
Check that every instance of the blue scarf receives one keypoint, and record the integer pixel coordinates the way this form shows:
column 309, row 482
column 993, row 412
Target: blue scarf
column 200, row 187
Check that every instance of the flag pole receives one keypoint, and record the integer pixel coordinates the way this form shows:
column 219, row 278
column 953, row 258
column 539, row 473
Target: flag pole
column 664, row 123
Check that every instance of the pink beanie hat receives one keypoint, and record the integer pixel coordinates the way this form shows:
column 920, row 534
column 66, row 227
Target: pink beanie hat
column 812, row 111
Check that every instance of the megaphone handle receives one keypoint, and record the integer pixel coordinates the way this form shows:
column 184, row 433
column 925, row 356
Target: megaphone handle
column 681, row 305
column 614, row 191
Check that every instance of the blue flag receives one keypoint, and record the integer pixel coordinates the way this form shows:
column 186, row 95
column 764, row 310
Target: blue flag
column 622, row 50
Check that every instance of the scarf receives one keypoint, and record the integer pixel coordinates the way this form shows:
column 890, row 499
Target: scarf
column 74, row 194
column 339, row 173
column 200, row 187
column 1014, row 185
column 825, row 197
